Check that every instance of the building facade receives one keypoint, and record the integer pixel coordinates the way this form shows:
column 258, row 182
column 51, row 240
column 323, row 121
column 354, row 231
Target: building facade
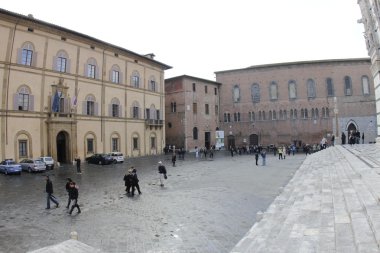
column 370, row 10
column 192, row 112
column 297, row 103
column 66, row 94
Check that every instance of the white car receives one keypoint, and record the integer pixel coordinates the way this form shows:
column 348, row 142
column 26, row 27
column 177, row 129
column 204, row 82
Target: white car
column 49, row 161
column 117, row 157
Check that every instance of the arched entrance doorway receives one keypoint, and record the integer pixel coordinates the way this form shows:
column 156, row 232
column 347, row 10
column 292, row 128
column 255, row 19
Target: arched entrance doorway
column 351, row 128
column 63, row 147
column 253, row 139
column 230, row 141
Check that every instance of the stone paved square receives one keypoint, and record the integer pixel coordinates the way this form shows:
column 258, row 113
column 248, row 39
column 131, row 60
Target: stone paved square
column 205, row 205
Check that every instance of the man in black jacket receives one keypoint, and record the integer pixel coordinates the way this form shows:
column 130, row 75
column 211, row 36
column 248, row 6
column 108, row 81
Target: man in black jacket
column 73, row 192
column 67, row 189
column 135, row 182
column 128, row 181
column 162, row 172
column 49, row 191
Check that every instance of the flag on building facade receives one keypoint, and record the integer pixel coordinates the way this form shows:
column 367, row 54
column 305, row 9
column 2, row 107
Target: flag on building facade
column 55, row 105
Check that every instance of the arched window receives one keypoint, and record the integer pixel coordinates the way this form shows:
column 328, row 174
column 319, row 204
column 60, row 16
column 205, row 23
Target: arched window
column 295, row 116
column 26, row 55
column 347, row 86
column 273, row 91
column 61, row 62
column 115, row 74
column 264, row 118
column 135, row 79
column 270, row 115
column 329, row 87
column 115, row 142
column 90, row 106
column 135, row 110
column 255, row 93
column 281, row 115
column 236, row 94
column 92, row 69
column 291, row 114
column 23, row 100
column 292, row 90
column 152, row 84
column 311, row 88
column 316, row 113
column 365, row 85
column 274, row 115
column 285, row 116
column 306, row 113
column 312, row 113
column 135, row 141
column 115, row 110
column 195, row 133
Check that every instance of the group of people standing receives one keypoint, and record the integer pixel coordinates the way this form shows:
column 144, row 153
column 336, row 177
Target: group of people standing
column 131, row 182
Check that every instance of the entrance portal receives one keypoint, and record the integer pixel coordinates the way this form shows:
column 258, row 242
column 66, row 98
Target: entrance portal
column 253, row 139
column 63, row 147
column 207, row 139
column 230, row 142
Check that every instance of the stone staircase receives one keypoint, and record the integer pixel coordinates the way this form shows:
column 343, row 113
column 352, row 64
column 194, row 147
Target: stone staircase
column 330, row 205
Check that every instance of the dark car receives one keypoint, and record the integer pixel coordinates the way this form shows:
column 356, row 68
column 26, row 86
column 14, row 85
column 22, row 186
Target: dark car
column 100, row 159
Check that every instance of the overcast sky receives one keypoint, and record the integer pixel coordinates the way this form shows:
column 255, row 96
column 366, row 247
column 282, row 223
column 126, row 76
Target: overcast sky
column 199, row 37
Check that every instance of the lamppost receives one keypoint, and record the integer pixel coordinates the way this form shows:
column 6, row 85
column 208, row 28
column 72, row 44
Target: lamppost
column 336, row 127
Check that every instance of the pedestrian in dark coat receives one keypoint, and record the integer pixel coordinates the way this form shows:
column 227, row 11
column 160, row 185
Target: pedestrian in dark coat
column 49, row 191
column 128, row 181
column 257, row 158
column 162, row 172
column 67, row 190
column 78, row 165
column 135, row 182
column 174, row 159
column 74, row 194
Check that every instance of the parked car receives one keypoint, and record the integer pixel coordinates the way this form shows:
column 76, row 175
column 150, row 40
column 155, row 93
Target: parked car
column 32, row 165
column 49, row 162
column 117, row 157
column 9, row 166
column 100, row 159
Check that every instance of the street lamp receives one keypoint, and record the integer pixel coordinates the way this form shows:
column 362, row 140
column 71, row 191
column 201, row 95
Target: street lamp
column 336, row 127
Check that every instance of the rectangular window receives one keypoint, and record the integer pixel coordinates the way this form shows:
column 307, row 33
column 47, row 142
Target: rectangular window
column 147, row 113
column 225, row 117
column 91, row 71
column 135, row 143
column 215, row 91
column 194, row 87
column 115, row 144
column 23, row 102
column 115, row 110
column 207, row 110
column 27, row 57
column 61, row 64
column 228, row 117
column 115, row 76
column 158, row 114
column 23, row 148
column 206, row 89
column 90, row 146
column 90, row 108
column 195, row 110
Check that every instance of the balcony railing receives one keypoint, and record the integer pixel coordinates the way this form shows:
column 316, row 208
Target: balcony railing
column 154, row 122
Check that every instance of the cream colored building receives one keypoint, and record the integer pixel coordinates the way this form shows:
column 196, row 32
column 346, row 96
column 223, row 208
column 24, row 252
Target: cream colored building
column 66, row 94
column 370, row 10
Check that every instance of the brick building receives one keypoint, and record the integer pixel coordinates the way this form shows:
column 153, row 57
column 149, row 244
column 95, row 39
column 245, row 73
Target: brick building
column 192, row 109
column 297, row 102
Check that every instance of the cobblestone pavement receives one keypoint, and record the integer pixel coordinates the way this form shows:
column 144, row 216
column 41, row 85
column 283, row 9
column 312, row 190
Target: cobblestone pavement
column 205, row 206
column 330, row 205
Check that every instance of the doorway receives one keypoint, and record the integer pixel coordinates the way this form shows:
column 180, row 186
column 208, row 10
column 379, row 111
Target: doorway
column 230, row 141
column 253, row 139
column 63, row 147
column 207, row 139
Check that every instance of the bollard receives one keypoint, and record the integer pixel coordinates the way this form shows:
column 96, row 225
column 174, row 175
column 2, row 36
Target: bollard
column 74, row 235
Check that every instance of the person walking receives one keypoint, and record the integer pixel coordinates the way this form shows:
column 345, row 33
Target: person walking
column 135, row 182
column 77, row 161
column 174, row 159
column 128, row 180
column 74, row 194
column 280, row 150
column 363, row 138
column 69, row 180
column 263, row 155
column 49, row 191
column 162, row 172
column 257, row 158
